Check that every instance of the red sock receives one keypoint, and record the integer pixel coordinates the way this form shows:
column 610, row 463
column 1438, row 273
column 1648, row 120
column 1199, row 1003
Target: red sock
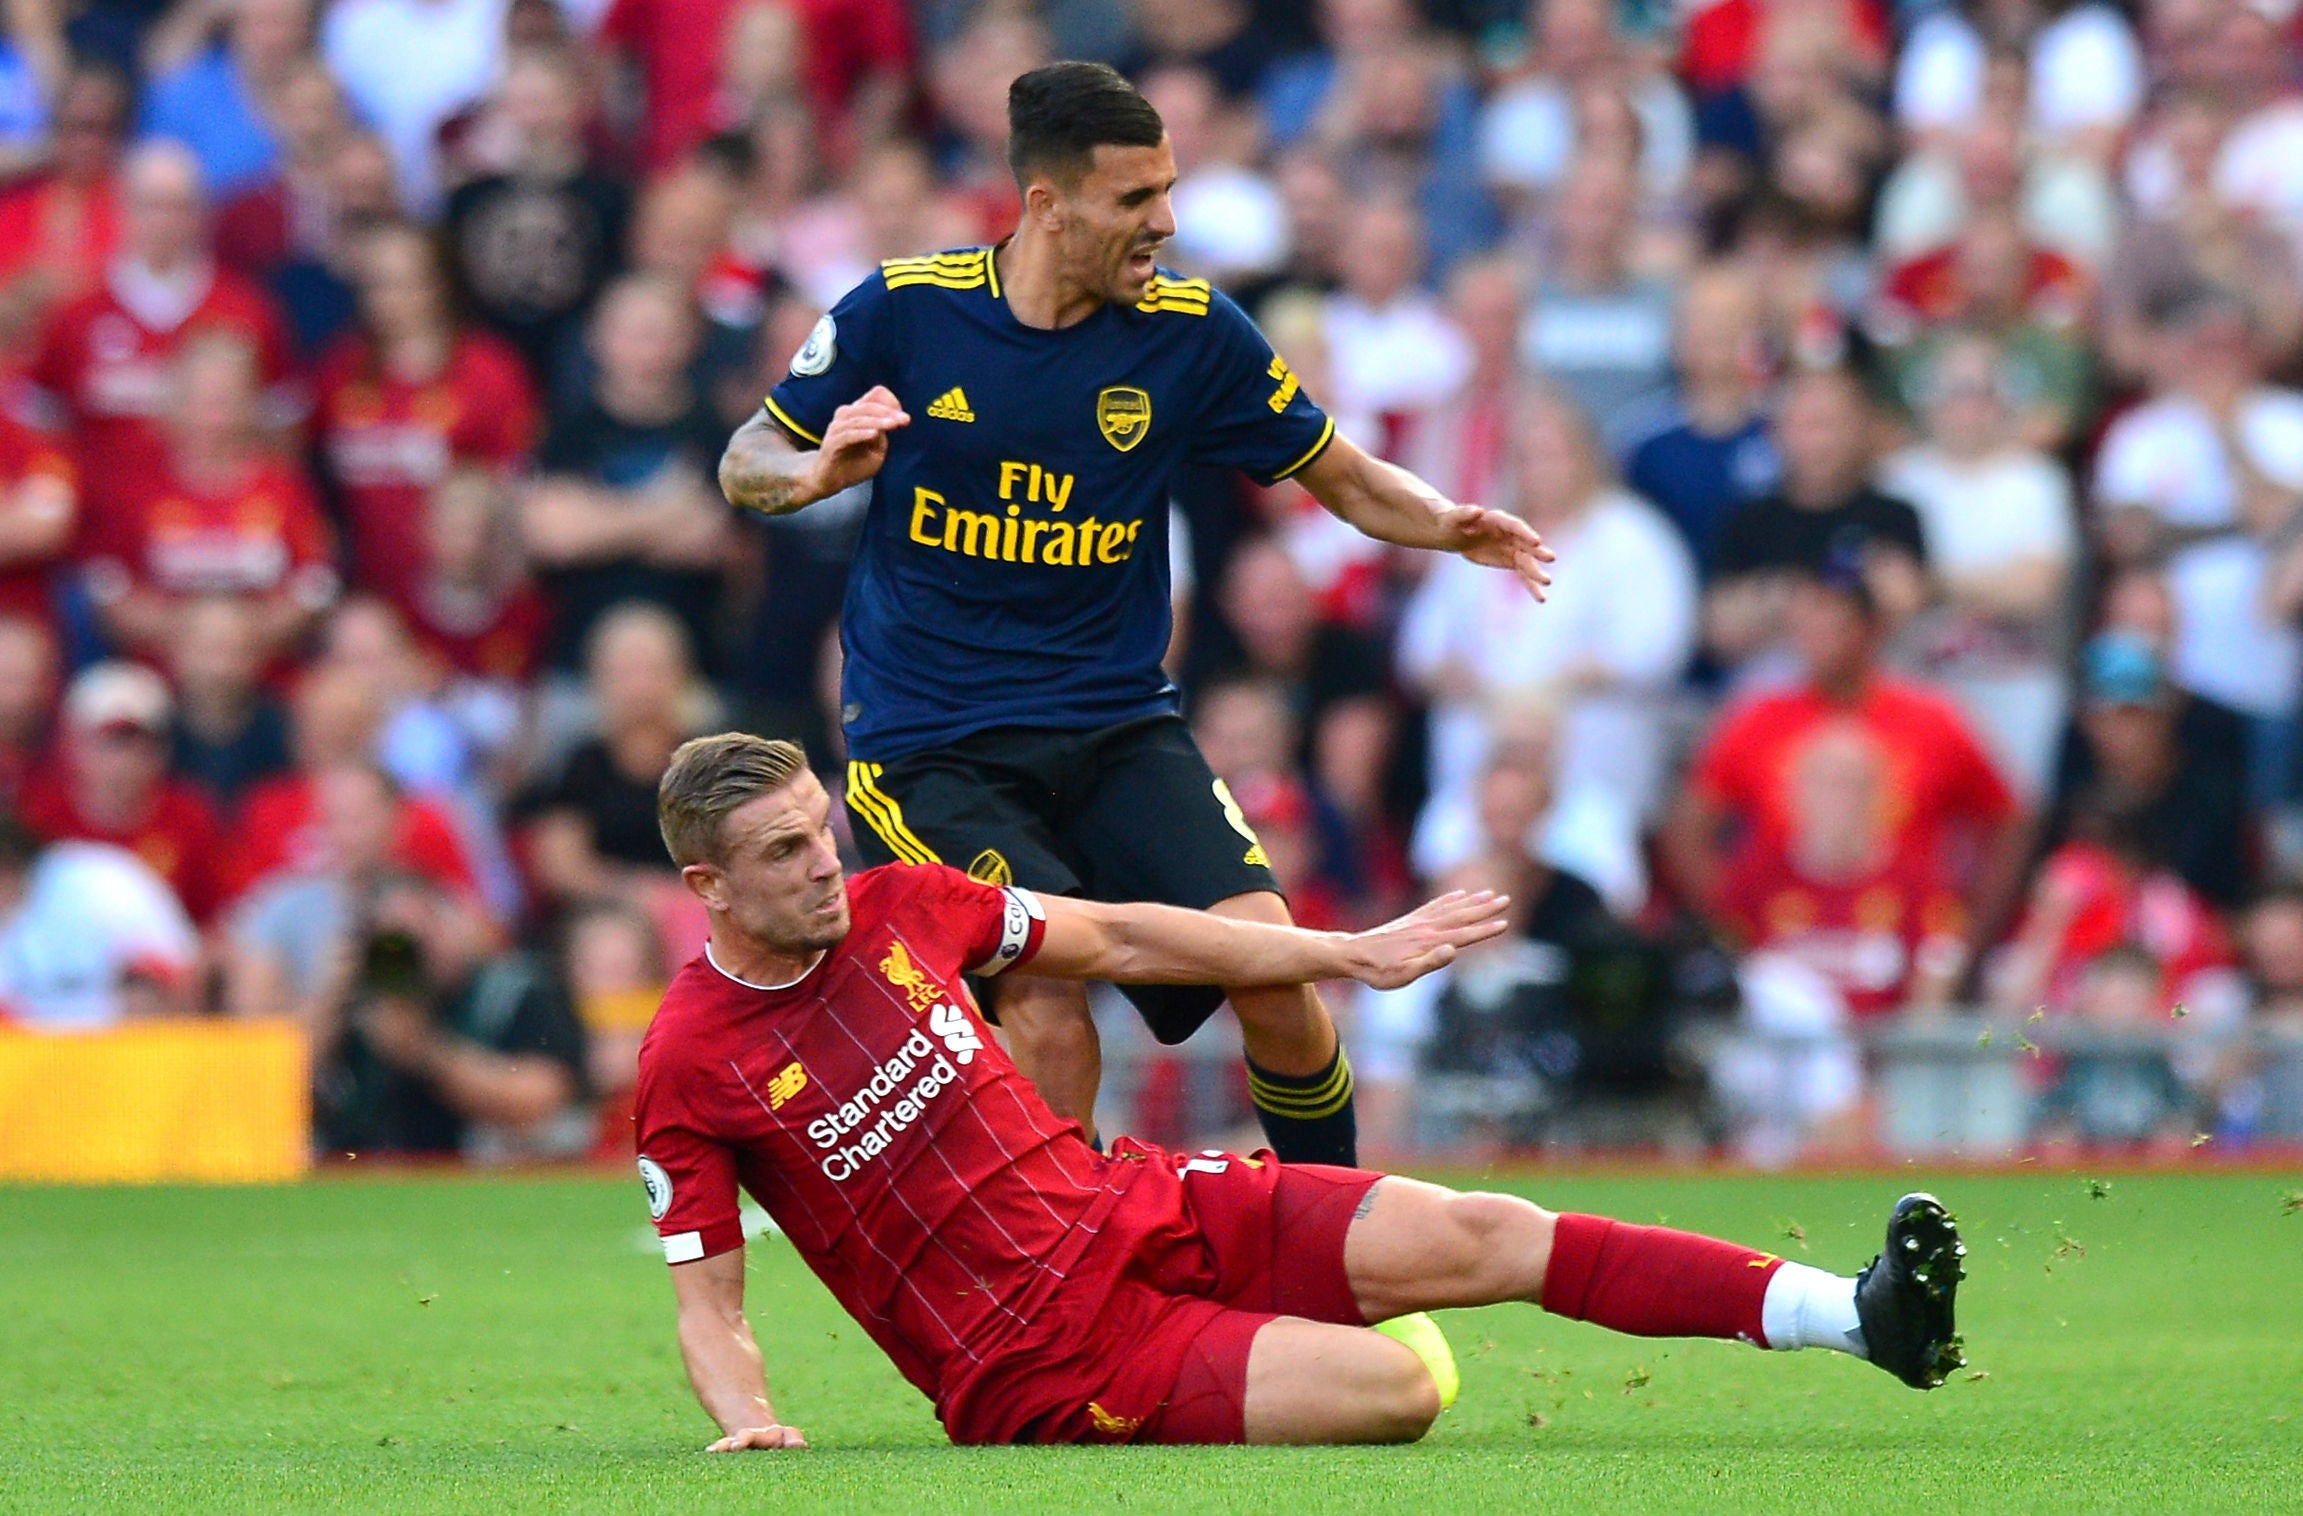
column 1651, row 1281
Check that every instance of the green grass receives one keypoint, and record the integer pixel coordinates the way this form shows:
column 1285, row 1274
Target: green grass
column 505, row 1346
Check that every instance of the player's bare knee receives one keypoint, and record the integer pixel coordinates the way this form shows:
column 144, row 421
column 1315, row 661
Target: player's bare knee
column 1283, row 1010
column 1501, row 1244
column 1406, row 1401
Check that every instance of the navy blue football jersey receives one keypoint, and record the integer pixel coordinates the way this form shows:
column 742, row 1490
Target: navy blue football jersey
column 1013, row 569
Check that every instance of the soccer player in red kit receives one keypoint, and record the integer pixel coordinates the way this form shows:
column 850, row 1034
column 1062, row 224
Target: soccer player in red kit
column 824, row 1054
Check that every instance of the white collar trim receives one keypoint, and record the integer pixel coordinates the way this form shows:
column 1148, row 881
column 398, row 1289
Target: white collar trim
column 813, row 964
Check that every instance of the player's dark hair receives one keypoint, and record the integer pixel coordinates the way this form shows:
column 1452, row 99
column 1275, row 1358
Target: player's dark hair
column 711, row 776
column 1059, row 114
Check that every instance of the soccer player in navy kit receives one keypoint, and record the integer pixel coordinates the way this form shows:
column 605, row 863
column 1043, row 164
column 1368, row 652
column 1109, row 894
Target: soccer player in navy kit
column 1020, row 411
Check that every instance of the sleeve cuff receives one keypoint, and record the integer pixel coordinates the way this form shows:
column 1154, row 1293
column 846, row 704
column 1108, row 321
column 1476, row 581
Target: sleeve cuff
column 783, row 418
column 1326, row 436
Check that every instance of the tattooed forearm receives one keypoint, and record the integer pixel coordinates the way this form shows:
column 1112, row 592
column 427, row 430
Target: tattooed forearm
column 761, row 470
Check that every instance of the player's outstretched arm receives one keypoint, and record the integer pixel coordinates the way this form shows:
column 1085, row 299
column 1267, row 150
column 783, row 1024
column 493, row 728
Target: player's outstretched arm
column 723, row 1361
column 1392, row 505
column 762, row 471
column 1159, row 944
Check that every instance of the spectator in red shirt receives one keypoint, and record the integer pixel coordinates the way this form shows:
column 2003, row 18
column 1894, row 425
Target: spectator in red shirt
column 59, row 228
column 220, row 514
column 1721, row 42
column 39, row 500
column 111, row 784
column 1945, row 812
column 858, row 64
column 27, row 699
column 406, row 397
column 1996, row 280
column 2103, row 891
column 474, row 606
column 1884, row 929
column 103, row 368
column 336, row 720
column 1992, row 270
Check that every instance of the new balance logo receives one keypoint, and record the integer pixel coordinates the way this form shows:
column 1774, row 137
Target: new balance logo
column 789, row 1081
column 949, row 1022
column 951, row 405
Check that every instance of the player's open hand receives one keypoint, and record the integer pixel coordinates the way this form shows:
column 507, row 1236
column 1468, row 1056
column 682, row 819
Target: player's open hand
column 856, row 442
column 759, row 1438
column 1499, row 539
column 1403, row 951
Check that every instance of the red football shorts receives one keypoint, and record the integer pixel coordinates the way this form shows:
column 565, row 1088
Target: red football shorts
column 1236, row 1242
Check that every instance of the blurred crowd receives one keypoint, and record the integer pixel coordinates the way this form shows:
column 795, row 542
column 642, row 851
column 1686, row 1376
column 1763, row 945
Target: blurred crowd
column 1904, row 385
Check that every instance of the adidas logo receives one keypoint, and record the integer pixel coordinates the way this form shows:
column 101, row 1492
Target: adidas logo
column 951, row 405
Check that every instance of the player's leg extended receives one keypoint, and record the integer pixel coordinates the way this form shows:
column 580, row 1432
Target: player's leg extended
column 1417, row 1246
column 1297, row 1073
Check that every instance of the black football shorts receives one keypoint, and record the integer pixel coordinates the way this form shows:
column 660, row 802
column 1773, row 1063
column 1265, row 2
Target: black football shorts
column 1125, row 813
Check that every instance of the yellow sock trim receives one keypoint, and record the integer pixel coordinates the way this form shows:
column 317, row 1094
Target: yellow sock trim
column 1326, row 1098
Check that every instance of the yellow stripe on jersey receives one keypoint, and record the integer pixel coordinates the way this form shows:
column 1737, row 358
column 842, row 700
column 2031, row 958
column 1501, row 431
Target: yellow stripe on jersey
column 952, row 271
column 785, row 417
column 879, row 808
column 1188, row 297
column 1326, row 436
column 949, row 255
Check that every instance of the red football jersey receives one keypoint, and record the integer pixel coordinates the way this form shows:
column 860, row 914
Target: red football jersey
column 1867, row 936
column 279, row 831
column 105, row 373
column 260, row 536
column 387, row 442
column 500, row 637
column 868, row 1108
column 1940, row 781
column 179, row 838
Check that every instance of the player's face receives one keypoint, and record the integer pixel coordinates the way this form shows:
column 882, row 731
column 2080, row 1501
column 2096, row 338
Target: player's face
column 778, row 879
column 1116, row 217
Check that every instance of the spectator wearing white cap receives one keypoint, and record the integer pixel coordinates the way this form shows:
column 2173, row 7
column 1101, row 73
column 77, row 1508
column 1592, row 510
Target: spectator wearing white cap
column 111, row 784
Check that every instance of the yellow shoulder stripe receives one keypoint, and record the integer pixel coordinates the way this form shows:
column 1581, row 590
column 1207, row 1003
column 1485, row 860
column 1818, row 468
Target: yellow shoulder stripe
column 969, row 266
column 1187, row 297
column 940, row 281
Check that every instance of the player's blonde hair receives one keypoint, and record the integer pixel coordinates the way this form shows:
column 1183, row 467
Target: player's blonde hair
column 711, row 776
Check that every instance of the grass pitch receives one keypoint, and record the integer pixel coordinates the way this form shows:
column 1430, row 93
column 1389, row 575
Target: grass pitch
column 446, row 1345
